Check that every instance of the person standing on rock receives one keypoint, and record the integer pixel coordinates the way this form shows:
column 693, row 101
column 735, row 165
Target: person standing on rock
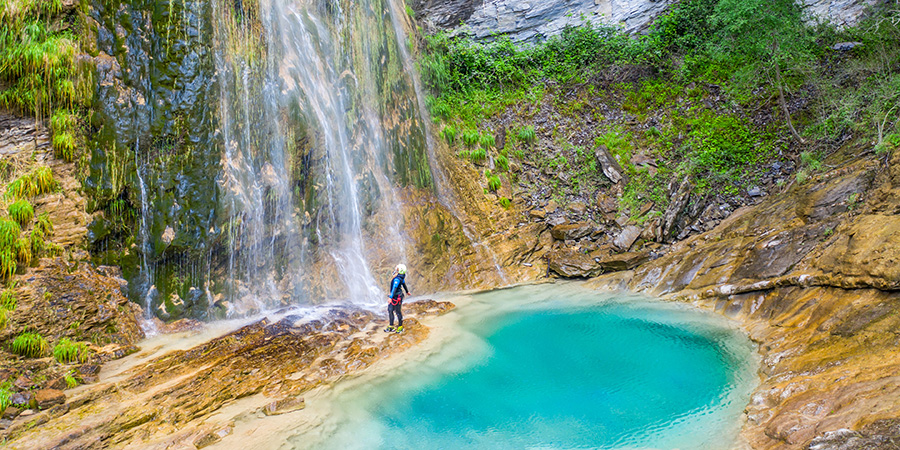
column 398, row 285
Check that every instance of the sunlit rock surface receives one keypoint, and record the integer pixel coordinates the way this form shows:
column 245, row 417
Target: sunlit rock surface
column 169, row 401
column 812, row 276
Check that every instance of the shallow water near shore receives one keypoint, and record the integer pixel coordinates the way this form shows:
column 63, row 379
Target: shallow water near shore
column 548, row 367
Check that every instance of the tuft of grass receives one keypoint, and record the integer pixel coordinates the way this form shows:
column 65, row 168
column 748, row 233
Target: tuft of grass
column 449, row 134
column 8, row 299
column 470, row 137
column 23, row 251
column 30, row 345
column 493, row 182
column 505, row 202
column 478, row 155
column 21, row 187
column 3, row 317
column 526, row 134
column 64, row 145
column 487, row 141
column 5, row 395
column 44, row 224
column 42, row 180
column 67, row 351
column 21, row 211
column 502, row 163
column 36, row 241
column 71, row 381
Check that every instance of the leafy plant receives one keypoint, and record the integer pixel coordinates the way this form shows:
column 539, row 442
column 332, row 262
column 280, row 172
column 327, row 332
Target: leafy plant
column 42, row 179
column 505, row 202
column 67, row 351
column 23, row 251
column 21, row 211
column 44, row 224
column 30, row 345
column 5, row 396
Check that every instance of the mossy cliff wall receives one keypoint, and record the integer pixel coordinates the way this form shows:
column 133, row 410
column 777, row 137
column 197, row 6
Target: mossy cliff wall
column 175, row 81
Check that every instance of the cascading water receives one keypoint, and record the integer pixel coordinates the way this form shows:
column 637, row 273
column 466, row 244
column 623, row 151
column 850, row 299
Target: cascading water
column 259, row 150
column 299, row 210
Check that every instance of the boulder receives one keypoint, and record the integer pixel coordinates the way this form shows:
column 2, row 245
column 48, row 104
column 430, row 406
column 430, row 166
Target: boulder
column 577, row 208
column 607, row 204
column 608, row 164
column 572, row 231
column 46, row 398
column 623, row 261
column 626, row 237
column 537, row 214
column 571, row 264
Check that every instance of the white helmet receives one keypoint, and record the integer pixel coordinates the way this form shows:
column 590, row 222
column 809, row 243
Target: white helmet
column 401, row 269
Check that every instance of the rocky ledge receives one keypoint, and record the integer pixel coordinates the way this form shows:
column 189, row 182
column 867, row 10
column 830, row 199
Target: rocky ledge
column 812, row 274
column 168, row 402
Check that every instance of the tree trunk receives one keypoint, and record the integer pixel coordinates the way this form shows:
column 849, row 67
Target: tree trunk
column 787, row 114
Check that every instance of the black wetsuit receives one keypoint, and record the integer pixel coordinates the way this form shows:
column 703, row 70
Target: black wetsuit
column 398, row 285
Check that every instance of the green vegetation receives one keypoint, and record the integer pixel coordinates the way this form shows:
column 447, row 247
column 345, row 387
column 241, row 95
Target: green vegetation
column 470, row 137
column 70, row 379
column 5, row 395
column 30, row 345
column 505, row 202
column 38, row 181
column 67, row 351
column 21, row 211
column 493, row 181
column 8, row 299
column 38, row 71
column 526, row 134
column 449, row 133
column 715, row 100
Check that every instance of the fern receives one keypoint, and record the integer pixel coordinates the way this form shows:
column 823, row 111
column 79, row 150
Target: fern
column 8, row 299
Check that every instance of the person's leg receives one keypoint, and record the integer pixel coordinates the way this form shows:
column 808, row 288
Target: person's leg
column 399, row 314
column 390, row 315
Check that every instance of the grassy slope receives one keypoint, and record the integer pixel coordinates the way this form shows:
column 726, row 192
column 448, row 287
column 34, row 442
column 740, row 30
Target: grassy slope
column 697, row 99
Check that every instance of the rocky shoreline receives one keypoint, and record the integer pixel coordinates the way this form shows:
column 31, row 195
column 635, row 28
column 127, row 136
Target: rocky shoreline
column 168, row 402
column 812, row 276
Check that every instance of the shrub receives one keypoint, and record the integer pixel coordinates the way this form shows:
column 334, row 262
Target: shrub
column 67, row 351
column 21, row 211
column 526, row 134
column 30, row 345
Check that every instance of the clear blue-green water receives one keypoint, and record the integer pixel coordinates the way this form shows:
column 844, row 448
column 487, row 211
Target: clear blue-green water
column 557, row 367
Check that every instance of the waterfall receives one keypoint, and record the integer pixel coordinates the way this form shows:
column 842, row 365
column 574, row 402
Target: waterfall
column 303, row 217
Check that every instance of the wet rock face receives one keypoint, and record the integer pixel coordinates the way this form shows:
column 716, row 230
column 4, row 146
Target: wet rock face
column 170, row 400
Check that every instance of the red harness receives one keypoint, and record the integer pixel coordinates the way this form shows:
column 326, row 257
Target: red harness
column 396, row 300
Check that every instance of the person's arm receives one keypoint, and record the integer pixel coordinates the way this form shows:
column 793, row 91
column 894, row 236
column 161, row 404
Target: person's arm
column 403, row 283
column 395, row 285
